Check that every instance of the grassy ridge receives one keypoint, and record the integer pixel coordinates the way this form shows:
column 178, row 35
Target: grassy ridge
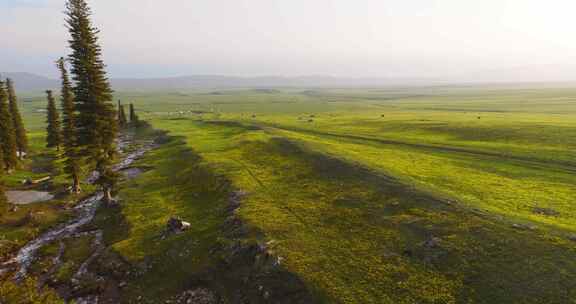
column 176, row 184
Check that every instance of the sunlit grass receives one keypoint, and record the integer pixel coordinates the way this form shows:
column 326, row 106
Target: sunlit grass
column 351, row 185
column 345, row 230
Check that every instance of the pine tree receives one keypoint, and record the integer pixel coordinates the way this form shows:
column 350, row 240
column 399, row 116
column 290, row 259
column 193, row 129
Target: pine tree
column 134, row 120
column 1, row 158
column 122, row 122
column 123, row 116
column 7, row 133
column 53, row 131
column 96, row 123
column 132, row 113
column 21, row 139
column 71, row 156
column 3, row 199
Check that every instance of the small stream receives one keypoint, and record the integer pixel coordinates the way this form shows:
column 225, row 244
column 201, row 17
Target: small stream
column 85, row 211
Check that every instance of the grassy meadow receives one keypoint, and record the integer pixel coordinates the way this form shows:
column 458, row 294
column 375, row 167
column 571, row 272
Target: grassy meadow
column 407, row 195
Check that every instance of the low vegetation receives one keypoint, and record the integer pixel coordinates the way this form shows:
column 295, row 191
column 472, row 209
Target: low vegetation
column 368, row 197
column 357, row 234
column 176, row 185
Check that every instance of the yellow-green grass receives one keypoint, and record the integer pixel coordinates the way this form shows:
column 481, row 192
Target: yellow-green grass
column 500, row 185
column 465, row 160
column 27, row 292
column 353, row 184
column 545, row 137
column 176, row 185
column 18, row 228
column 357, row 236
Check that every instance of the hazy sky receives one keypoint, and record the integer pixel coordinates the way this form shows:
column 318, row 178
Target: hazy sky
column 144, row 38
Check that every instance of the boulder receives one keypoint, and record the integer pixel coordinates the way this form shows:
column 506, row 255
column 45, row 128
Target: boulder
column 13, row 208
column 176, row 225
column 545, row 211
column 524, row 227
column 432, row 242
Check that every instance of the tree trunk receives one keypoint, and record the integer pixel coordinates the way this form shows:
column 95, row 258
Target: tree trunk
column 76, row 185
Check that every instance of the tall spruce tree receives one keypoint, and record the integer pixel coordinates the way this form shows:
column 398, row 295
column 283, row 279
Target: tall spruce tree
column 1, row 158
column 96, row 123
column 123, row 115
column 20, row 131
column 134, row 120
column 7, row 133
column 3, row 199
column 122, row 122
column 69, row 138
column 132, row 113
column 53, row 130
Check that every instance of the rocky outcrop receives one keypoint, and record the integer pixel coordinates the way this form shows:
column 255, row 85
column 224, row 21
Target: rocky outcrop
column 195, row 296
column 254, row 270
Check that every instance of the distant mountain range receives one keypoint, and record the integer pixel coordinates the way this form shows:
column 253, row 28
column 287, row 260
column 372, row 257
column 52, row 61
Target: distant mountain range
column 543, row 74
column 30, row 82
column 217, row 81
column 33, row 82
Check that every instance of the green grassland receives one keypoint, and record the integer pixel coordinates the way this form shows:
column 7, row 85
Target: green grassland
column 408, row 195
column 178, row 186
column 359, row 236
column 506, row 151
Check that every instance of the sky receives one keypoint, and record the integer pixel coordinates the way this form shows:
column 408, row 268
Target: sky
column 355, row 38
